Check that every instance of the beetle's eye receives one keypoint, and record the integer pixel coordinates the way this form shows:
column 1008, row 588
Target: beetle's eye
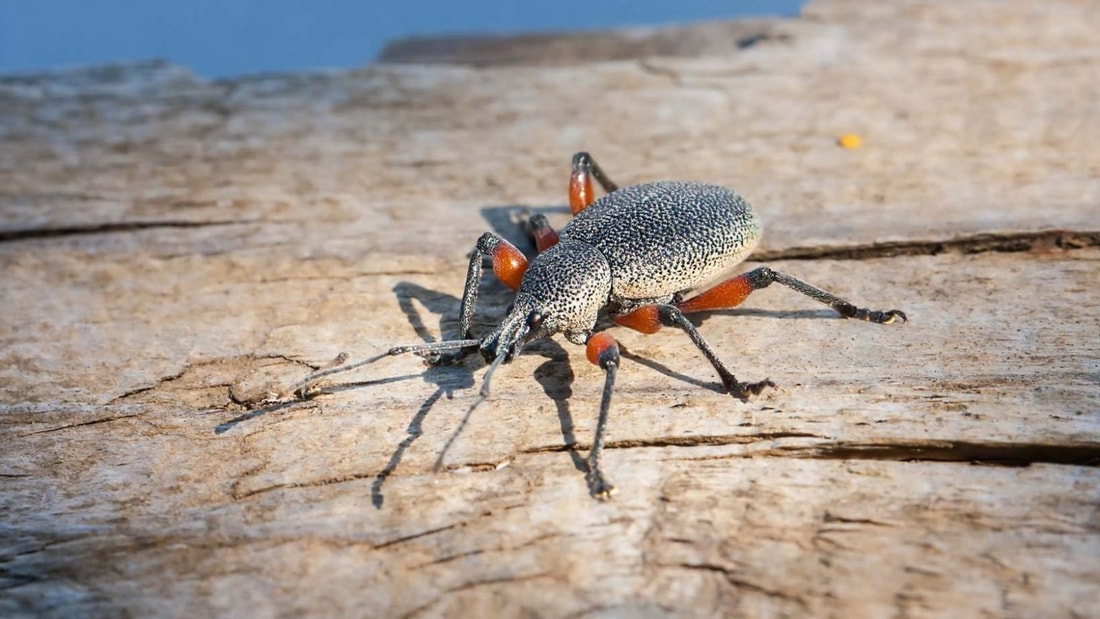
column 534, row 320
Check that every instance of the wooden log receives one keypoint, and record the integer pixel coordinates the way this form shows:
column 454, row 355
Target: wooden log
column 175, row 251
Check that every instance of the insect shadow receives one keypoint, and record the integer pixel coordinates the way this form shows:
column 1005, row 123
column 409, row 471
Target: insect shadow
column 555, row 375
column 445, row 379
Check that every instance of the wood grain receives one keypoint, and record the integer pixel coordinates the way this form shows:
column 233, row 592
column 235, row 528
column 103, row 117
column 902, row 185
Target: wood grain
column 176, row 250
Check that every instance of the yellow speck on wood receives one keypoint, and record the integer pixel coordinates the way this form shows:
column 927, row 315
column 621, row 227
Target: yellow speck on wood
column 850, row 140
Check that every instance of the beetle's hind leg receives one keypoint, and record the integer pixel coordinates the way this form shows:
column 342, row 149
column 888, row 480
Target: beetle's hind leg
column 733, row 291
column 581, row 195
column 538, row 228
column 730, row 293
column 585, row 169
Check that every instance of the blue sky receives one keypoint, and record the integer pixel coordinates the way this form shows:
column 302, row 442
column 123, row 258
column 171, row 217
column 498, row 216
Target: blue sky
column 220, row 38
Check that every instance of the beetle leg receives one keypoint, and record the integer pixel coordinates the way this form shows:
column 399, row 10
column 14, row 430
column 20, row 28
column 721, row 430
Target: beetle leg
column 649, row 319
column 538, row 228
column 670, row 314
column 580, row 182
column 603, row 351
column 646, row 319
column 581, row 195
column 725, row 295
column 733, row 291
column 509, row 264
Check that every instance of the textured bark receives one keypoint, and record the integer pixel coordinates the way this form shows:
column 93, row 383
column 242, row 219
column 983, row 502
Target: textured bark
column 175, row 250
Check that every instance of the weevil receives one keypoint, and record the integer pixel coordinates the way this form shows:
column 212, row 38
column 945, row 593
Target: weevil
column 637, row 253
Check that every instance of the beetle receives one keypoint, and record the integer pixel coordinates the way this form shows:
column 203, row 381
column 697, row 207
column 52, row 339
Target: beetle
column 635, row 253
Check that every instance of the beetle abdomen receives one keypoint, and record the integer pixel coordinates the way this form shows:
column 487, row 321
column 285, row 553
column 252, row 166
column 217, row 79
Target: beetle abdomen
column 664, row 237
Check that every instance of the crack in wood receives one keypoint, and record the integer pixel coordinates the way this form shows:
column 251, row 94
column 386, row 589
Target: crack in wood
column 831, row 517
column 738, row 581
column 989, row 453
column 449, row 558
column 10, row 579
column 1041, row 240
column 992, row 453
column 160, row 381
column 476, row 467
column 232, row 398
column 306, row 484
column 677, row 441
column 418, row 535
column 79, row 425
column 23, row 234
column 419, row 610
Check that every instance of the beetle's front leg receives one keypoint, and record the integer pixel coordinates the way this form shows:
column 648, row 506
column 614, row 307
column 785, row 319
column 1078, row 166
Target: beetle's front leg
column 509, row 265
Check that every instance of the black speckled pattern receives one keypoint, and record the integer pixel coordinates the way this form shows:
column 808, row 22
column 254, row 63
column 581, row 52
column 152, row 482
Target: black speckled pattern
column 568, row 283
column 666, row 237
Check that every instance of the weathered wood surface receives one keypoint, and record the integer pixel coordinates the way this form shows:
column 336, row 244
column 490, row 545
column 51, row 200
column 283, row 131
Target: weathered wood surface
column 173, row 249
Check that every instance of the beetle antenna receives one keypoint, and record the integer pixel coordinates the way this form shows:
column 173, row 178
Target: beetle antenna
column 303, row 387
column 481, row 397
column 489, row 375
column 433, row 347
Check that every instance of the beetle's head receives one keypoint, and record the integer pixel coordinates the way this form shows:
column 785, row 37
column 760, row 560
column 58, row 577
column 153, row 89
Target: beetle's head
column 561, row 292
column 524, row 322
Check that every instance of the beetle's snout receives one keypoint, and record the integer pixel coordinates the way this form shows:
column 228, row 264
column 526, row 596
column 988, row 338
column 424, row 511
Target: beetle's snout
column 492, row 348
column 506, row 340
column 523, row 324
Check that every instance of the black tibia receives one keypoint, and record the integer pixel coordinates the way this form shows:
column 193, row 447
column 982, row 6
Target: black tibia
column 583, row 162
column 598, row 485
column 485, row 247
column 672, row 316
column 763, row 277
